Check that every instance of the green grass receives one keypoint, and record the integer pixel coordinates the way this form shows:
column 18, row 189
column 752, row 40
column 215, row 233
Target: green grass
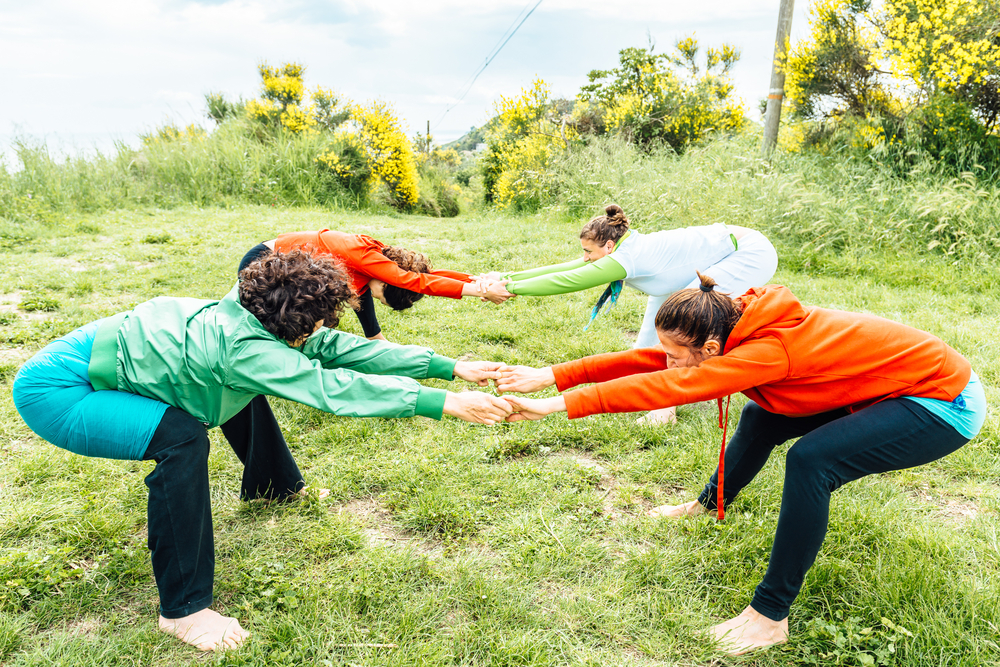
column 523, row 544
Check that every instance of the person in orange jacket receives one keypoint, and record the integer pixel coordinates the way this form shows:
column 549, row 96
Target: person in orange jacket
column 864, row 395
column 395, row 276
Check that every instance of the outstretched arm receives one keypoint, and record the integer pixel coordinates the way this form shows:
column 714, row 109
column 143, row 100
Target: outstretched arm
column 590, row 274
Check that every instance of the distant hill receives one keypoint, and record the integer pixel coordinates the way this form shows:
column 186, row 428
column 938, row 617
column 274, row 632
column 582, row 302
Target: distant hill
column 468, row 141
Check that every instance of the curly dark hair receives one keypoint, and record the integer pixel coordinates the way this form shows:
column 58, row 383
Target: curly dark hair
column 290, row 292
column 408, row 260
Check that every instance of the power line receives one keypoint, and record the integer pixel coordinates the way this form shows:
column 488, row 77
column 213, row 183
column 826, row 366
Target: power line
column 489, row 58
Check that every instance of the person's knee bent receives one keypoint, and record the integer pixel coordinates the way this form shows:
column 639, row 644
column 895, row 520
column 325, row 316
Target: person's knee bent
column 179, row 435
column 804, row 467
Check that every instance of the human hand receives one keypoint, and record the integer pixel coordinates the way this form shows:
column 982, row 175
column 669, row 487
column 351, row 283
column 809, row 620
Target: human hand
column 496, row 292
column 492, row 276
column 524, row 379
column 534, row 408
column 477, row 407
column 480, row 372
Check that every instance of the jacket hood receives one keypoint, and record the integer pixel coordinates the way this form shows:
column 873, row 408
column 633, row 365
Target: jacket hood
column 767, row 308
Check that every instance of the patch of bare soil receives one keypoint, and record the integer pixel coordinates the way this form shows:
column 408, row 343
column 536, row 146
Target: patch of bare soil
column 13, row 355
column 380, row 528
column 10, row 302
column 87, row 627
column 951, row 509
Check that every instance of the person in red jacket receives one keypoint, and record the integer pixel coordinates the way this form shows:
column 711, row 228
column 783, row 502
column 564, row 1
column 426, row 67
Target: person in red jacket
column 395, row 276
column 864, row 395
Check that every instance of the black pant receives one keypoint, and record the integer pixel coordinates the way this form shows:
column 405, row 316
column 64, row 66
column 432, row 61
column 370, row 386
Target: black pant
column 834, row 448
column 366, row 304
column 179, row 508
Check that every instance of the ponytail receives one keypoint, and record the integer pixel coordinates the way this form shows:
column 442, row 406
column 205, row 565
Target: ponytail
column 694, row 316
column 609, row 227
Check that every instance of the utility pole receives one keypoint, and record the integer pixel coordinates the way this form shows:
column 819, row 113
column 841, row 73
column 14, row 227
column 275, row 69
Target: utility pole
column 428, row 138
column 776, row 94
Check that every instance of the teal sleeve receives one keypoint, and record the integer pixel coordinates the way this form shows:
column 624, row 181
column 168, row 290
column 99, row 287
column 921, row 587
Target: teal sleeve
column 543, row 270
column 592, row 274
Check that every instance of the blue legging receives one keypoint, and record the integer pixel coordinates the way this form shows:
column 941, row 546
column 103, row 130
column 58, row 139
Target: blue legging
column 834, row 448
column 54, row 397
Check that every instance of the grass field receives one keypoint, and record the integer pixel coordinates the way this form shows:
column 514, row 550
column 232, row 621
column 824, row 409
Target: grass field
column 447, row 543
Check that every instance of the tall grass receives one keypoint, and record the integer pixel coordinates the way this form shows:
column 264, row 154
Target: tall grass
column 234, row 164
column 826, row 213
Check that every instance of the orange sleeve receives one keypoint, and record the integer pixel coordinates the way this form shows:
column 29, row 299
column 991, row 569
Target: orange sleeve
column 752, row 364
column 376, row 265
column 454, row 275
column 609, row 366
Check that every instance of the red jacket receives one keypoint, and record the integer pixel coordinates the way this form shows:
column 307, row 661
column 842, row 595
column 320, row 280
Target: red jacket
column 362, row 257
column 788, row 358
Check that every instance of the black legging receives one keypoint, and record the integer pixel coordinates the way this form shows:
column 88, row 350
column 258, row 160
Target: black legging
column 179, row 507
column 366, row 306
column 834, row 449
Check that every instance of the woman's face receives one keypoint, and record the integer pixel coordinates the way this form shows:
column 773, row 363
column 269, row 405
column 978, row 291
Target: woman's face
column 378, row 290
column 592, row 251
column 680, row 355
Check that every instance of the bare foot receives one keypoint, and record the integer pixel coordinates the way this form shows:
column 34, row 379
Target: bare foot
column 661, row 416
column 206, row 630
column 301, row 494
column 750, row 631
column 693, row 508
column 320, row 494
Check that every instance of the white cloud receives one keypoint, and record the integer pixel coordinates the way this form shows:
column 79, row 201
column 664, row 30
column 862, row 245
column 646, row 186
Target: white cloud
column 119, row 67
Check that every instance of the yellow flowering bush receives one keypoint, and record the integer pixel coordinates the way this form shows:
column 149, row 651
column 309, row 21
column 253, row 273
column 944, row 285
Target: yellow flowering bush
column 900, row 80
column 172, row 133
column 668, row 98
column 521, row 141
column 389, row 153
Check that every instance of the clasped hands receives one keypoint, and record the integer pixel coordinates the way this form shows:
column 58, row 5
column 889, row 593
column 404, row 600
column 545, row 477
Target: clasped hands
column 491, row 287
column 484, row 408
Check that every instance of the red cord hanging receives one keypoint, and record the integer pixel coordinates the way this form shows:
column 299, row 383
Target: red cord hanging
column 724, row 425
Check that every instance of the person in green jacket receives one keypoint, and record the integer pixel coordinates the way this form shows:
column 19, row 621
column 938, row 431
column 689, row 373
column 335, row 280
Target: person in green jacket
column 147, row 383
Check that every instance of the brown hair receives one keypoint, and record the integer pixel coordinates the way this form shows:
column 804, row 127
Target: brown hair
column 604, row 228
column 694, row 316
column 290, row 292
column 408, row 260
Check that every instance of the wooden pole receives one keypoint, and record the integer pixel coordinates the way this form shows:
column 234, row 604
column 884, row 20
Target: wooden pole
column 428, row 137
column 776, row 94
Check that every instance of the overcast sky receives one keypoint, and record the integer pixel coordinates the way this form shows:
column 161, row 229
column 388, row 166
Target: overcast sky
column 87, row 73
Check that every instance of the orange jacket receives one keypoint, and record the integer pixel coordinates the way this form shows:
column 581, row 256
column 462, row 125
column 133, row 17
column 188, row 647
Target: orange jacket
column 362, row 257
column 788, row 358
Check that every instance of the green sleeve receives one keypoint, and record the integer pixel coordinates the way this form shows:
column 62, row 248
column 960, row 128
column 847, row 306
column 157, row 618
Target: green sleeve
column 343, row 374
column 542, row 270
column 591, row 274
column 336, row 349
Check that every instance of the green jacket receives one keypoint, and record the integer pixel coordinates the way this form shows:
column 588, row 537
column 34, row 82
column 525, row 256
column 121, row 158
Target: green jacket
column 210, row 358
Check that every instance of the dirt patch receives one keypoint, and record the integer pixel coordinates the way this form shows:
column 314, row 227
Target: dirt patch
column 88, row 627
column 11, row 300
column 380, row 529
column 608, row 483
column 13, row 355
column 951, row 509
column 68, row 264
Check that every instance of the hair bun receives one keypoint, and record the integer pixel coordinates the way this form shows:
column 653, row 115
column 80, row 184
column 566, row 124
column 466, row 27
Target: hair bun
column 613, row 209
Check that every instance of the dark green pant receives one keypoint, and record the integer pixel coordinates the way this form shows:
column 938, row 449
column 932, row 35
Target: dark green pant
column 179, row 507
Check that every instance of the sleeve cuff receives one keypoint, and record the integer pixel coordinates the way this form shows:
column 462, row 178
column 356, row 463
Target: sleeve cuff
column 430, row 402
column 442, row 368
column 569, row 374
